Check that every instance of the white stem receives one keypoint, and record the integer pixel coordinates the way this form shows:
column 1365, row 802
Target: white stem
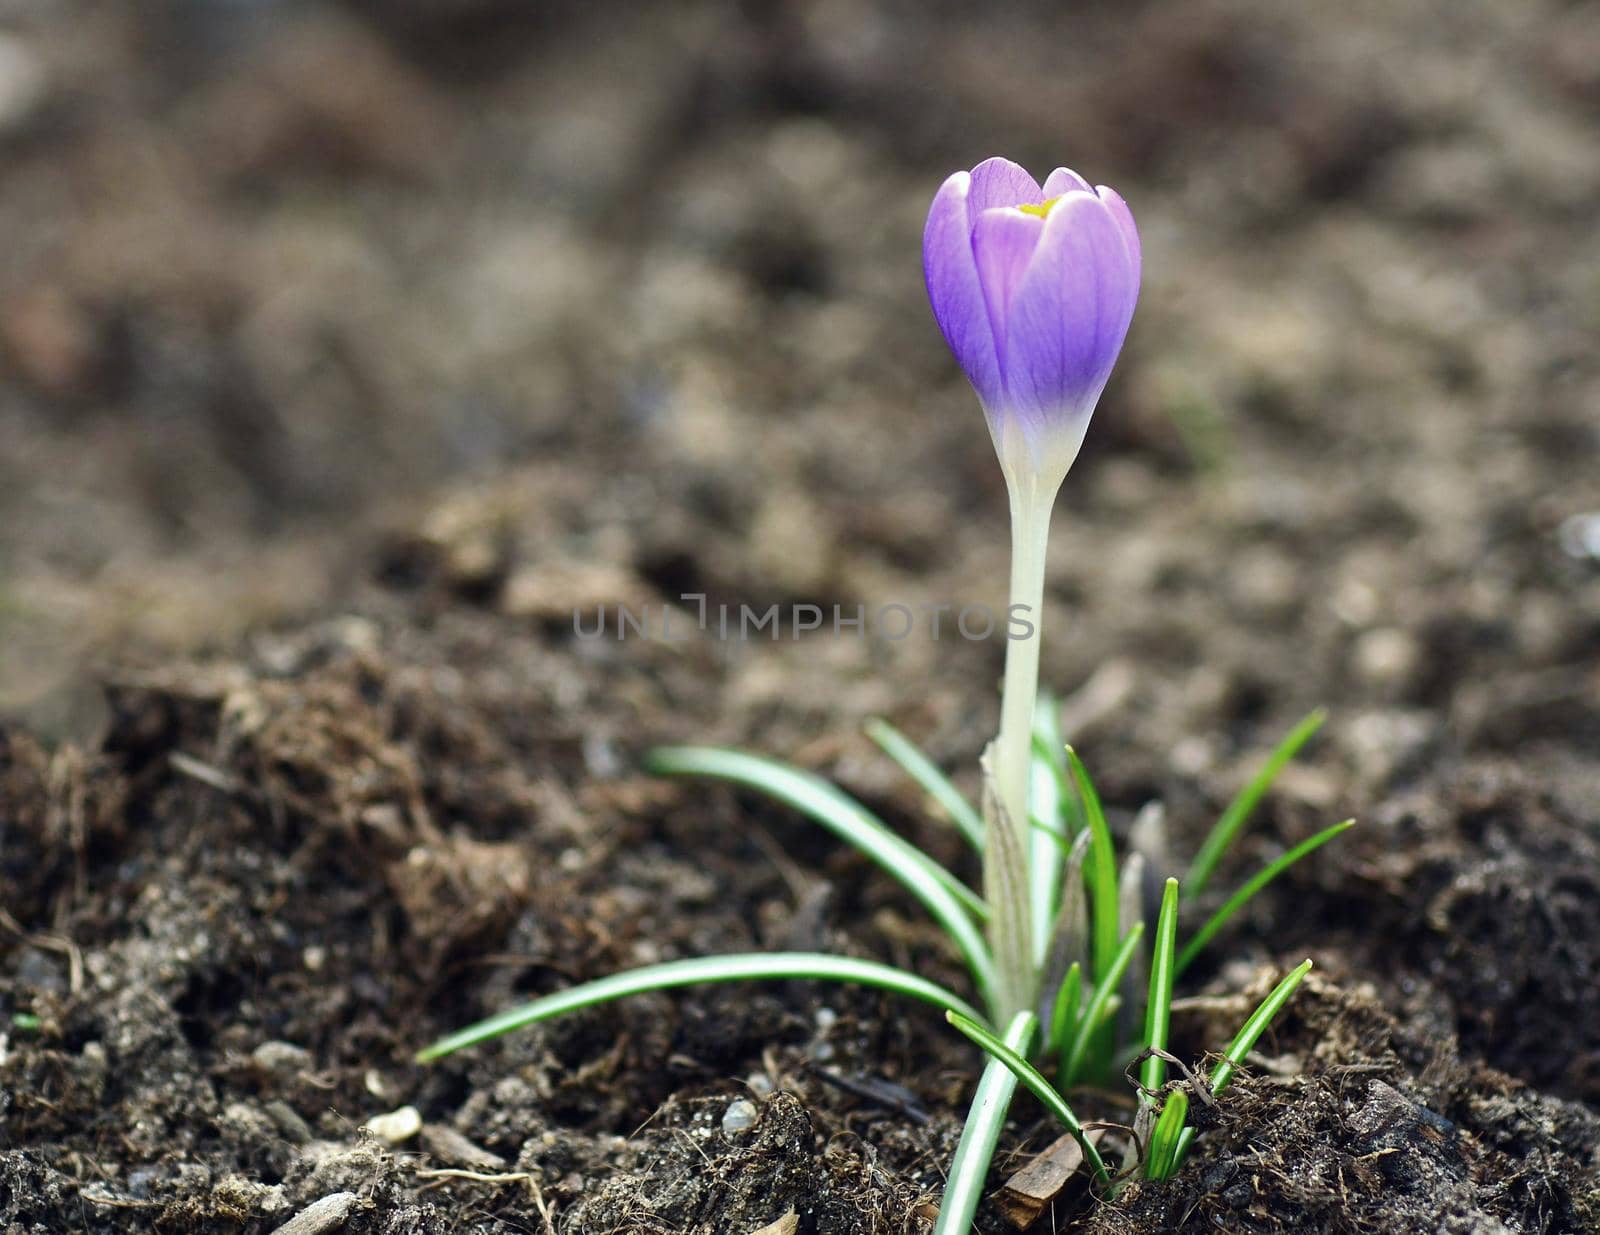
column 1031, row 502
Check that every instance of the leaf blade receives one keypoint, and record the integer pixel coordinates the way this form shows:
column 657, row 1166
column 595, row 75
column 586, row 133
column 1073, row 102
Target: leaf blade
column 1094, row 1012
column 1161, row 1157
column 1255, row 1025
column 1102, row 873
column 1064, row 1008
column 1244, row 1042
column 1034, row 1082
column 951, row 903
column 1158, row 1011
column 698, row 971
column 980, row 1134
column 1237, row 813
column 928, row 777
column 1249, row 890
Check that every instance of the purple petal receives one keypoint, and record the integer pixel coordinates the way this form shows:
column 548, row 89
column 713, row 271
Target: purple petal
column 1069, row 316
column 1000, row 182
column 1064, row 180
column 953, row 288
column 1130, row 233
column 1003, row 242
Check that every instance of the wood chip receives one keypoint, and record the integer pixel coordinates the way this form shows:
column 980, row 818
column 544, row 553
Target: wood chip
column 783, row 1226
column 453, row 1149
column 1027, row 1193
column 325, row 1215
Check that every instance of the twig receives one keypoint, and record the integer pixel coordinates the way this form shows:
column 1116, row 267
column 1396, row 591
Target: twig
column 503, row 1177
column 51, row 943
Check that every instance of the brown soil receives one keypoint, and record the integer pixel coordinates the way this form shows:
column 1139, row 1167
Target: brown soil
column 348, row 348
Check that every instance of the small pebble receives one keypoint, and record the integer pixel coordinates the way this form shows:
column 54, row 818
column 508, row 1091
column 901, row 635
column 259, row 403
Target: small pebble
column 281, row 1058
column 1580, row 535
column 22, row 80
column 740, row 1116
column 288, row 1122
column 1386, row 656
column 396, row 1126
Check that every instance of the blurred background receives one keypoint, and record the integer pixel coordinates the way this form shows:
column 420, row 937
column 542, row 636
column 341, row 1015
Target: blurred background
column 530, row 306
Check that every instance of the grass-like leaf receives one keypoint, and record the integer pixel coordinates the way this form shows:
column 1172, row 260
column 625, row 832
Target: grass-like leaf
column 952, row 904
column 1050, row 755
column 1262, row 878
column 1244, row 1042
column 1064, row 1008
column 969, row 1168
column 1250, row 1032
column 1102, row 873
column 1158, row 1011
column 929, row 779
column 743, row 967
column 1098, row 1007
column 1233, row 819
column 1035, row 1083
column 1161, row 1155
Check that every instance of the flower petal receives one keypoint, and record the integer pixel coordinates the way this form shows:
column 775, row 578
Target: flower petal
column 953, row 288
column 1130, row 232
column 1068, row 317
column 1000, row 182
column 1002, row 243
column 1064, row 180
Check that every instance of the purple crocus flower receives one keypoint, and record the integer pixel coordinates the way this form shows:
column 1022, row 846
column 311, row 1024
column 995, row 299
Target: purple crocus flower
column 1033, row 288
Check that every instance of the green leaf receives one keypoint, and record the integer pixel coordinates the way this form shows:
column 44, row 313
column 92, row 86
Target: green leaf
column 969, row 1168
column 929, row 778
column 952, row 904
column 1102, row 873
column 1250, row 1032
column 743, row 967
column 1049, row 756
column 1158, row 1011
column 1095, row 1012
column 1245, row 1041
column 1238, row 813
column 1161, row 1158
column 1243, row 896
column 1035, row 1083
column 1064, row 1009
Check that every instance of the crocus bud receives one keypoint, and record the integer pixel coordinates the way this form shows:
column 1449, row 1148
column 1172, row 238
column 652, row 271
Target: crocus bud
column 1034, row 289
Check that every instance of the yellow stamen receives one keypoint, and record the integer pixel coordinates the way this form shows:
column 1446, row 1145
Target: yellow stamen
column 1043, row 209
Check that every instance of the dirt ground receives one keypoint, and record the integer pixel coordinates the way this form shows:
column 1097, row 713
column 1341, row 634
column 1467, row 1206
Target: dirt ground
column 347, row 349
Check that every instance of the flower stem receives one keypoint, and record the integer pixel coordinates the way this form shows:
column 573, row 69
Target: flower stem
column 1031, row 502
